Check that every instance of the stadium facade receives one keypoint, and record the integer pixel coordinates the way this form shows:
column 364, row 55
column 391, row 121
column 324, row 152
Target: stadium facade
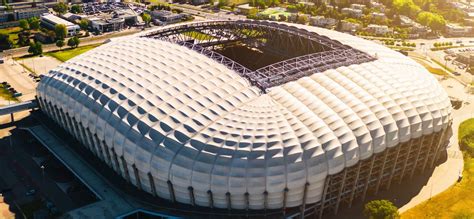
column 199, row 114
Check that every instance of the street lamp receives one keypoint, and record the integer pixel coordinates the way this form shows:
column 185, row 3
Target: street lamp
column 42, row 172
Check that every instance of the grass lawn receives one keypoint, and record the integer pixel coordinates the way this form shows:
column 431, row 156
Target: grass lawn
column 432, row 70
column 6, row 95
column 198, row 35
column 66, row 54
column 458, row 201
column 12, row 33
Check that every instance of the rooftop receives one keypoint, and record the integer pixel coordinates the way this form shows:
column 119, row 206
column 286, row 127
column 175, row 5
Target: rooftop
column 57, row 20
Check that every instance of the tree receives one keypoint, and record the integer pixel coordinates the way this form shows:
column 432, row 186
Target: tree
column 36, row 48
column 5, row 42
column 61, row 31
column 76, row 9
column 84, row 24
column 381, row 209
column 24, row 38
column 24, row 25
column 435, row 21
column 73, row 42
column 302, row 19
column 60, row 8
column 34, row 23
column 146, row 18
column 60, row 44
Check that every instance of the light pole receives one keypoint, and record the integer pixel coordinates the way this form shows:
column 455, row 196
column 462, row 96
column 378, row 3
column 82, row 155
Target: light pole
column 42, row 173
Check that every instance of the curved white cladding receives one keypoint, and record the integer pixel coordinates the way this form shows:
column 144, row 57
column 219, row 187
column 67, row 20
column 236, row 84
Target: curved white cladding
column 185, row 118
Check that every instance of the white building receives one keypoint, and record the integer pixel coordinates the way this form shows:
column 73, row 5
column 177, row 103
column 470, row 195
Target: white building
column 358, row 6
column 50, row 21
column 379, row 29
column 347, row 26
column 457, row 30
column 351, row 12
column 378, row 15
column 322, row 21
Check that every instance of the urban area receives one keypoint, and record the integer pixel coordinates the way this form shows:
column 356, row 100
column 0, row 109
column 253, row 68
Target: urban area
column 323, row 109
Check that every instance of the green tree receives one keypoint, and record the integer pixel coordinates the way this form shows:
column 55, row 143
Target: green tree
column 60, row 8
column 381, row 209
column 406, row 7
column 61, row 31
column 24, row 38
column 34, row 23
column 76, row 9
column 60, row 44
column 24, row 25
column 146, row 18
column 302, row 19
column 5, row 42
column 36, row 48
column 435, row 21
column 73, row 42
column 84, row 24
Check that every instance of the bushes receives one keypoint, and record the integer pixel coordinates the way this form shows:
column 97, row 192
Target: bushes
column 442, row 44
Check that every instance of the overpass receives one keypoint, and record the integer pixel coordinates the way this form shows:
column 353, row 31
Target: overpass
column 18, row 107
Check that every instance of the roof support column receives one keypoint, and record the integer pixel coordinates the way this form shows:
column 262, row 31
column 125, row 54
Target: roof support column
column 341, row 188
column 125, row 169
column 394, row 165
column 323, row 197
column 171, row 191
column 407, row 158
column 152, row 184
column 417, row 157
column 211, row 199
column 285, row 191
column 303, row 205
column 355, row 184
column 431, row 148
column 380, row 177
column 366, row 187
column 229, row 201
column 441, row 141
column 137, row 177
column 191, row 196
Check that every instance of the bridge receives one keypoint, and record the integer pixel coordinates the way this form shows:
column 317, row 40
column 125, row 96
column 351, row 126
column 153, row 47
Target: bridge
column 18, row 107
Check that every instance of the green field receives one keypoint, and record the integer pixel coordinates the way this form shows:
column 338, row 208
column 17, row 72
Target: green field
column 12, row 33
column 66, row 54
column 198, row 35
column 458, row 201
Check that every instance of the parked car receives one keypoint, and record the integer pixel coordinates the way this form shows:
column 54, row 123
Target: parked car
column 30, row 192
column 1, row 61
column 456, row 73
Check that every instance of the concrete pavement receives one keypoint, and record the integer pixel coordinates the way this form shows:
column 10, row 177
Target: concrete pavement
column 13, row 73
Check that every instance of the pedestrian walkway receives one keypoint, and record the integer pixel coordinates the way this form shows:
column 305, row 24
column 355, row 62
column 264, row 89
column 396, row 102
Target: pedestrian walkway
column 111, row 202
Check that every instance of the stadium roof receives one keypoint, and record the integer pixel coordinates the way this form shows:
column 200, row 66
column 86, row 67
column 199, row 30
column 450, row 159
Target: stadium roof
column 189, row 119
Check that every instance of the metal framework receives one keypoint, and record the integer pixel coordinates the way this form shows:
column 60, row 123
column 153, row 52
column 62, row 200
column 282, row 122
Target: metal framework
column 305, row 52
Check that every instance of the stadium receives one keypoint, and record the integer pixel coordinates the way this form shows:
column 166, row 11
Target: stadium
column 252, row 115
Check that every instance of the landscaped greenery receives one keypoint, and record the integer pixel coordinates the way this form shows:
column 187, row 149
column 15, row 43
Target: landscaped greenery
column 457, row 201
column 5, row 94
column 12, row 32
column 66, row 54
column 198, row 35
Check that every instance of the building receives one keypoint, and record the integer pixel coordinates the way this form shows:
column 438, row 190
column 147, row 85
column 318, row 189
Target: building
column 321, row 21
column 245, row 9
column 378, row 15
column 27, row 13
column 351, row 12
column 130, row 17
column 23, row 13
column 106, row 25
column 350, row 27
column 466, row 57
column 50, row 21
column 379, row 29
column 167, row 16
column 457, row 30
column 184, row 123
column 358, row 6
